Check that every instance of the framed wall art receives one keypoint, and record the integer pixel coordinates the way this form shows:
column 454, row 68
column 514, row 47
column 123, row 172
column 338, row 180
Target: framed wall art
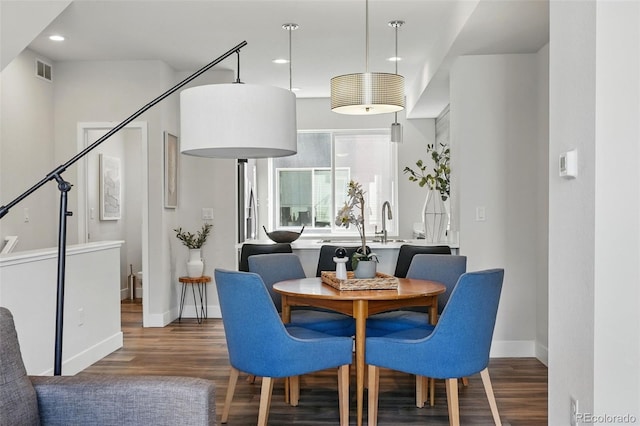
column 170, row 171
column 110, row 188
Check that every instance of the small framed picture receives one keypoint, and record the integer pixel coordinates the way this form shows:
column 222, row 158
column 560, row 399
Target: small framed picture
column 110, row 188
column 170, row 171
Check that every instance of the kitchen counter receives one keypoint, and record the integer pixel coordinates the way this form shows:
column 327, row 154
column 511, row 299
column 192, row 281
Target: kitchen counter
column 391, row 244
column 308, row 250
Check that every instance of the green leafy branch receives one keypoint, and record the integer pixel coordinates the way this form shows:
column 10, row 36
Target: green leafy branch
column 440, row 178
column 194, row 241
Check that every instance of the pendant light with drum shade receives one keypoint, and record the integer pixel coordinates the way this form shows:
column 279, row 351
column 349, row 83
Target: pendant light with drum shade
column 369, row 92
column 396, row 128
column 238, row 121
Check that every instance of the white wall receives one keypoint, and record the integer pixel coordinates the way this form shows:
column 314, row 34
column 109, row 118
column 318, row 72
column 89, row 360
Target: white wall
column 91, row 326
column 111, row 91
column 617, row 269
column 132, row 206
column 594, row 230
column 496, row 139
column 26, row 154
column 125, row 145
column 205, row 183
column 542, row 208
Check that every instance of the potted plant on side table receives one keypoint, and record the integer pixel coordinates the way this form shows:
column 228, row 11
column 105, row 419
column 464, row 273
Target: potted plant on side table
column 362, row 261
column 195, row 265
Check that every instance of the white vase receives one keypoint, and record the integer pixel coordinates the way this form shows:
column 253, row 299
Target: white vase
column 195, row 265
column 365, row 269
column 434, row 217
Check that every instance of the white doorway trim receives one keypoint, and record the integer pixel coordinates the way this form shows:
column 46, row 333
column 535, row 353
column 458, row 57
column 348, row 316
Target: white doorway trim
column 82, row 142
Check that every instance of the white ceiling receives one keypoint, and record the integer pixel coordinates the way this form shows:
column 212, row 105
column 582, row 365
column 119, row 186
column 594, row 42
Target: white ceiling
column 330, row 41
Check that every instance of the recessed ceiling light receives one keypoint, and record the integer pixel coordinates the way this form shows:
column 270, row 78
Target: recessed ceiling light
column 280, row 61
column 394, row 59
column 295, row 89
column 56, row 37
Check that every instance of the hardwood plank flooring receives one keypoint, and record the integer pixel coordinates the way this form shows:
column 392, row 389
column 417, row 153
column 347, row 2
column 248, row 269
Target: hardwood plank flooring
column 199, row 350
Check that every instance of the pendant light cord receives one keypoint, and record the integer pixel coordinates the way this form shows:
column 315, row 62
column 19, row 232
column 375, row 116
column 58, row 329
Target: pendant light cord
column 290, row 60
column 397, row 59
column 366, row 35
column 395, row 114
column 396, row 24
column 290, row 27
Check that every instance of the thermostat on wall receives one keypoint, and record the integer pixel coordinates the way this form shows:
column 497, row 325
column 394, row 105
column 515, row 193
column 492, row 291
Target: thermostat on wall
column 569, row 164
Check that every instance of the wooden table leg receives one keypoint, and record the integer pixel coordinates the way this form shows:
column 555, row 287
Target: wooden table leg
column 286, row 318
column 433, row 319
column 433, row 311
column 360, row 312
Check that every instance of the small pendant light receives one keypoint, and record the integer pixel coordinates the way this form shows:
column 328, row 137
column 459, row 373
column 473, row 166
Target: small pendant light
column 396, row 128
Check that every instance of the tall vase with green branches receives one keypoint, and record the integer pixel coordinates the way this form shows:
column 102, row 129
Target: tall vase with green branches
column 434, row 215
column 440, row 178
column 195, row 264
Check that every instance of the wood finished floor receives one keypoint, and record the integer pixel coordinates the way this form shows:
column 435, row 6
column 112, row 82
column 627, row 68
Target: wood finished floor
column 199, row 350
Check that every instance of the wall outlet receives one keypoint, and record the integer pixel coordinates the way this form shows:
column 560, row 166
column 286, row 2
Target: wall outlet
column 573, row 412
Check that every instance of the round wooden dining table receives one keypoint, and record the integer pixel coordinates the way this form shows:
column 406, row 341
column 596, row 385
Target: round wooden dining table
column 359, row 304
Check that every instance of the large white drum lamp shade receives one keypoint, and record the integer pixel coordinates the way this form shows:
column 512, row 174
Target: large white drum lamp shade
column 238, row 121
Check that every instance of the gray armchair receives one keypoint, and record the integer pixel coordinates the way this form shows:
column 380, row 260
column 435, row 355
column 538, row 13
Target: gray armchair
column 96, row 399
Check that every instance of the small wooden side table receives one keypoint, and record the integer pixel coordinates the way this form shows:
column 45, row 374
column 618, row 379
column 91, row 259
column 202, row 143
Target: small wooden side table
column 201, row 283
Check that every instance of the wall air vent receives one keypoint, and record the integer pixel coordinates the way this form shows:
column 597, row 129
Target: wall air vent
column 43, row 70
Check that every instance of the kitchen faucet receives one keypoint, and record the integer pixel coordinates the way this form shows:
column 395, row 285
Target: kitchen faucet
column 389, row 216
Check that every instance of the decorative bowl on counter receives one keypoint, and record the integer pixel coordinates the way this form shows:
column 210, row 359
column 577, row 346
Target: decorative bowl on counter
column 283, row 236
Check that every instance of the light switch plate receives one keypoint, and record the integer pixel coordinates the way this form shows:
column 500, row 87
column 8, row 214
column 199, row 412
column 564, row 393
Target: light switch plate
column 568, row 165
column 207, row 213
column 574, row 407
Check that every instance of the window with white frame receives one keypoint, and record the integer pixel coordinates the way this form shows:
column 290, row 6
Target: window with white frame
column 308, row 188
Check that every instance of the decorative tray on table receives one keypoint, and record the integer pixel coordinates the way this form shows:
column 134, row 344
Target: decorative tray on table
column 380, row 282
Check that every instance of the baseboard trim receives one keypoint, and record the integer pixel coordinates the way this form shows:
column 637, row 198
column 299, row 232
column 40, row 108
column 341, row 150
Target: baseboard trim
column 91, row 355
column 512, row 349
column 158, row 320
column 542, row 353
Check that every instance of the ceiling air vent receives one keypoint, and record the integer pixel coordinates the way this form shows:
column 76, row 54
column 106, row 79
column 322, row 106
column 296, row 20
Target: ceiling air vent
column 43, row 70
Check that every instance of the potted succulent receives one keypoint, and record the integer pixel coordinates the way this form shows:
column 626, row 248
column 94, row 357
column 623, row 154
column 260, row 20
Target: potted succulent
column 362, row 261
column 194, row 242
column 434, row 213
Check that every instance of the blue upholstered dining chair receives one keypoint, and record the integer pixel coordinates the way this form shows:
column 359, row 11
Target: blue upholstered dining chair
column 249, row 250
column 406, row 253
column 259, row 343
column 458, row 346
column 276, row 267
column 443, row 268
